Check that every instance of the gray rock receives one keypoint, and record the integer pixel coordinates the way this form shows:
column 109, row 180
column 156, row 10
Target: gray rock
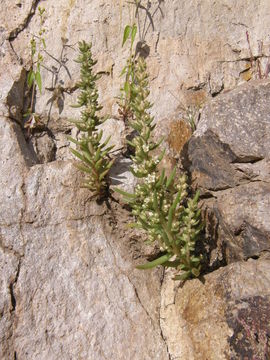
column 12, row 78
column 241, row 119
column 44, row 147
column 115, row 129
column 9, row 265
column 121, row 177
column 229, row 162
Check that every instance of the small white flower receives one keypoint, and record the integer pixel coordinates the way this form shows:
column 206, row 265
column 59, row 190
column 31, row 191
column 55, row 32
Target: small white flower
column 166, row 208
column 151, row 179
column 145, row 148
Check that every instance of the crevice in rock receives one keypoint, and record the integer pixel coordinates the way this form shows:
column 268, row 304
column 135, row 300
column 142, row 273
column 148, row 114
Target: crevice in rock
column 14, row 98
column 11, row 288
column 140, row 302
column 39, row 148
column 216, row 93
column 160, row 318
column 211, row 192
column 255, row 257
column 157, row 41
column 246, row 59
column 12, row 297
column 28, row 153
column 200, row 86
column 7, row 249
column 165, row 342
column 15, row 32
column 19, row 59
column 14, row 103
column 213, row 250
column 252, row 159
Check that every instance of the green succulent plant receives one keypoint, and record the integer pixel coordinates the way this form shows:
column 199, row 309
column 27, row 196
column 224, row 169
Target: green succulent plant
column 91, row 151
column 160, row 204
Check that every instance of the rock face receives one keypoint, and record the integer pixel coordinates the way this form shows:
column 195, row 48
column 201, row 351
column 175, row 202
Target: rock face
column 225, row 316
column 68, row 288
column 229, row 162
column 191, row 47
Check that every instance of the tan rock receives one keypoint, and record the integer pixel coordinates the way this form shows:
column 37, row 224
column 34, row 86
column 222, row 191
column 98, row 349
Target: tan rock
column 219, row 317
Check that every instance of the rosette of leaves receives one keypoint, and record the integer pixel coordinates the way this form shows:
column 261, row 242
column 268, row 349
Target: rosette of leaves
column 91, row 151
column 160, row 204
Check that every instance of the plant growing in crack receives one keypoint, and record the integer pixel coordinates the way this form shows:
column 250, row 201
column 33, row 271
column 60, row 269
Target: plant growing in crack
column 130, row 32
column 126, row 94
column 92, row 152
column 160, row 204
column 191, row 112
column 37, row 45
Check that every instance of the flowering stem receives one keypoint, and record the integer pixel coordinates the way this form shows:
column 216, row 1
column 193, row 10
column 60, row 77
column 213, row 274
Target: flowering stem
column 160, row 203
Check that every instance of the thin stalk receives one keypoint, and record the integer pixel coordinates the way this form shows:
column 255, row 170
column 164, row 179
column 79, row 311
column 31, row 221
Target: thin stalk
column 32, row 98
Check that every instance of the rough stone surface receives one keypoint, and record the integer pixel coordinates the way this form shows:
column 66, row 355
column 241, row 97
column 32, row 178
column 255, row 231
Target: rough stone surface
column 121, row 176
column 74, row 294
column 176, row 132
column 9, row 268
column 242, row 113
column 114, row 129
column 44, row 147
column 209, row 41
column 229, row 161
column 223, row 316
column 68, row 288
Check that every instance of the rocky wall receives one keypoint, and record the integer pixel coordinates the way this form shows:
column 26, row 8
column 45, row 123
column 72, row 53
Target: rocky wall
column 68, row 288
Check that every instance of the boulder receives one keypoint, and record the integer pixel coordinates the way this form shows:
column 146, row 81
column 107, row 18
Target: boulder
column 224, row 315
column 228, row 157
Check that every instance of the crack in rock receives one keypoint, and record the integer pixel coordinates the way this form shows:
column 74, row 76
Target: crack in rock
column 165, row 342
column 11, row 287
column 15, row 32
